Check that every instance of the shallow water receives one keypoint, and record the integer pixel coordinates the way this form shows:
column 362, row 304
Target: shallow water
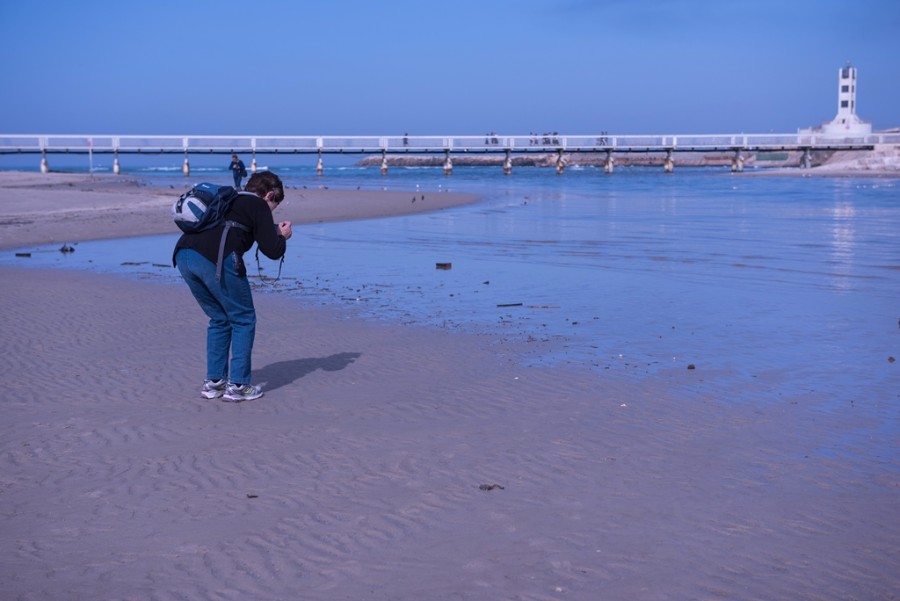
column 781, row 287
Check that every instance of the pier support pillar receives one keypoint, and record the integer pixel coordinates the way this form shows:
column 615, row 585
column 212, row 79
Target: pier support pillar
column 186, row 167
column 45, row 168
column 737, row 163
column 253, row 164
column 320, row 166
column 384, row 165
column 507, row 164
column 116, row 168
column 608, row 165
column 448, row 164
column 669, row 163
column 560, row 163
column 806, row 161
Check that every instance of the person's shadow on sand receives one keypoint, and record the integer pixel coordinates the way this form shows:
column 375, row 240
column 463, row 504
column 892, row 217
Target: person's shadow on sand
column 282, row 373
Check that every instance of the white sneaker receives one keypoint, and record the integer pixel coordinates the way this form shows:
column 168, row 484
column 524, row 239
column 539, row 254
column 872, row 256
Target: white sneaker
column 213, row 389
column 242, row 392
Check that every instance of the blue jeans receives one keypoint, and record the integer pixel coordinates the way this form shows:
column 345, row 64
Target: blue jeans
column 232, row 318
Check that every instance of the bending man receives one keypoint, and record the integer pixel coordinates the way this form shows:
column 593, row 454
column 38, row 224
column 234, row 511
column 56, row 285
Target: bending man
column 228, row 301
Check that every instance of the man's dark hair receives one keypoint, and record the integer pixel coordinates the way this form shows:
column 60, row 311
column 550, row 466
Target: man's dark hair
column 263, row 182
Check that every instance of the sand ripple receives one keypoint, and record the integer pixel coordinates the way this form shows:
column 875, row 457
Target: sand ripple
column 359, row 475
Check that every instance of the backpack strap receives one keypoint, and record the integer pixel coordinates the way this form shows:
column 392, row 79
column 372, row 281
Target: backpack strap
column 228, row 226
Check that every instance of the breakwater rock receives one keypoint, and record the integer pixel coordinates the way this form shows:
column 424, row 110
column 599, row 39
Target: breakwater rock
column 883, row 159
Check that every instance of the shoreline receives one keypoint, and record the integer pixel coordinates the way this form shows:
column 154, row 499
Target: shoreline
column 77, row 207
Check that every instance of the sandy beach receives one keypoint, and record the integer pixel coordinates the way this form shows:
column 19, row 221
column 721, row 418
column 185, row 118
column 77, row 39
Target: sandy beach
column 386, row 462
column 47, row 208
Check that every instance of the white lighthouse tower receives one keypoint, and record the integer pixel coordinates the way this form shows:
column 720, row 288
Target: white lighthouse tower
column 846, row 123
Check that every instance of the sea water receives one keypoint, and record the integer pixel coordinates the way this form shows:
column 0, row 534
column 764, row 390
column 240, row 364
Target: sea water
column 772, row 287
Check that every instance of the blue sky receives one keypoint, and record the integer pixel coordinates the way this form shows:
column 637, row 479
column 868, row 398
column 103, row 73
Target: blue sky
column 367, row 67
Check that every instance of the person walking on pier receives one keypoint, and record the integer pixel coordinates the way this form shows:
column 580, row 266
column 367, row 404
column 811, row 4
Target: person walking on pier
column 228, row 301
column 238, row 171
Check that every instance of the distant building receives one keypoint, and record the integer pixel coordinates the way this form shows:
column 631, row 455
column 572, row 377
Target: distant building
column 846, row 122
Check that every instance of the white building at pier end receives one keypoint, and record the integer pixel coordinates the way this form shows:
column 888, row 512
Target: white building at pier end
column 846, row 122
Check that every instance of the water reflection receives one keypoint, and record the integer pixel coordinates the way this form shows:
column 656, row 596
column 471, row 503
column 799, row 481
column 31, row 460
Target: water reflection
column 843, row 235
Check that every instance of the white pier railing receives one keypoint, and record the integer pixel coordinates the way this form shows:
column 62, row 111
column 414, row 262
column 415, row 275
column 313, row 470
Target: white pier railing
column 491, row 143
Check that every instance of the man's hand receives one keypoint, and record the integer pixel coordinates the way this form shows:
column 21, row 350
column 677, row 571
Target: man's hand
column 284, row 228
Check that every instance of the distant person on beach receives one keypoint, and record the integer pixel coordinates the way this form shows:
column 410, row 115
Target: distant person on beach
column 227, row 301
column 238, row 171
